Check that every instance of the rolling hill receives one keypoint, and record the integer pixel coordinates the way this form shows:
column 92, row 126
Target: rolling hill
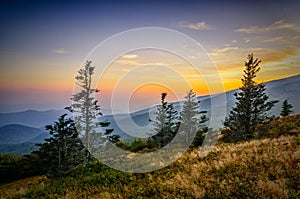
column 16, row 134
column 19, row 139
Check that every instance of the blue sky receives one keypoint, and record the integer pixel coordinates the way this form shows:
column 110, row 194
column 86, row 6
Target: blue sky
column 44, row 42
column 34, row 27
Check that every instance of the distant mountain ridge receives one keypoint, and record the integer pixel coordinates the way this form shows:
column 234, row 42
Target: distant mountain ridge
column 31, row 118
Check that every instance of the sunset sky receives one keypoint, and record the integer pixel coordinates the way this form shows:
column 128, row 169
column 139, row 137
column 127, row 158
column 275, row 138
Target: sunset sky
column 43, row 44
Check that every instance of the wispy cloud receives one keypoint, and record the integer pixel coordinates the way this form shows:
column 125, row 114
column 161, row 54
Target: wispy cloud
column 130, row 56
column 127, row 62
column 226, row 49
column 60, row 51
column 274, row 39
column 278, row 25
column 196, row 26
column 232, row 59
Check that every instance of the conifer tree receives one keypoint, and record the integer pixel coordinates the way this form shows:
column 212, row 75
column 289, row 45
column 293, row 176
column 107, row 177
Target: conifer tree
column 251, row 107
column 192, row 120
column 64, row 149
column 286, row 108
column 172, row 122
column 86, row 111
column 166, row 123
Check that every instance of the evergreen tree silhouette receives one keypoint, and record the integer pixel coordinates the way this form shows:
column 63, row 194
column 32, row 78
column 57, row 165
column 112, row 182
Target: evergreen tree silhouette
column 286, row 108
column 166, row 123
column 86, row 111
column 64, row 149
column 192, row 120
column 251, row 107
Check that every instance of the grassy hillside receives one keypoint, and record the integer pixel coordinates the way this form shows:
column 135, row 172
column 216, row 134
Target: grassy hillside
column 264, row 168
column 256, row 169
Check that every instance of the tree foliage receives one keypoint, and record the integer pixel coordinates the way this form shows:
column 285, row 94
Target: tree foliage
column 64, row 149
column 191, row 123
column 165, row 124
column 14, row 167
column 192, row 120
column 286, row 108
column 86, row 111
column 251, row 107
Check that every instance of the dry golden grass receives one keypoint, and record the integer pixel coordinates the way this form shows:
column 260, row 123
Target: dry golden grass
column 260, row 168
column 267, row 168
column 20, row 187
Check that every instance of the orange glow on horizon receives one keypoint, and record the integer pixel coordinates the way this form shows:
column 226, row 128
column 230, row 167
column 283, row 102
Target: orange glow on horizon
column 150, row 95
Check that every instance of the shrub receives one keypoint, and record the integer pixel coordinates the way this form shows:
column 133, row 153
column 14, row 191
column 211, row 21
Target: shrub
column 138, row 145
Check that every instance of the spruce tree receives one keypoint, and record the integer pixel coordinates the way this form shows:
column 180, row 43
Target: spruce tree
column 64, row 149
column 192, row 120
column 172, row 122
column 86, row 111
column 251, row 107
column 286, row 108
column 165, row 124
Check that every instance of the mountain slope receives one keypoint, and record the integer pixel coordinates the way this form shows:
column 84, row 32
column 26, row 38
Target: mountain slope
column 282, row 89
column 19, row 139
column 16, row 134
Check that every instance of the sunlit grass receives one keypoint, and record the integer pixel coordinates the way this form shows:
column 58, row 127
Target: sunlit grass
column 260, row 168
column 266, row 168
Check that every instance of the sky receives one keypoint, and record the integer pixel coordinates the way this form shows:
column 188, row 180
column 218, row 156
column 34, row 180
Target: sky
column 44, row 43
